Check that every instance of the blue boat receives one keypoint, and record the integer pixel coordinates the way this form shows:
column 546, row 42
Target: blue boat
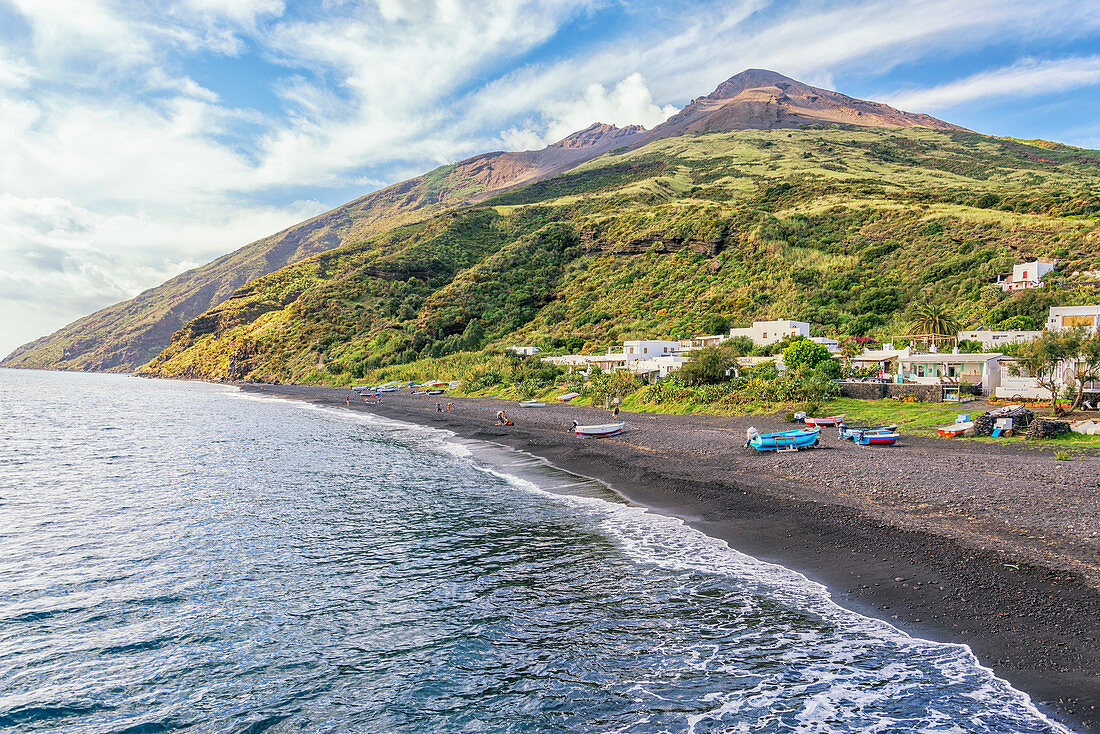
column 801, row 438
column 851, row 433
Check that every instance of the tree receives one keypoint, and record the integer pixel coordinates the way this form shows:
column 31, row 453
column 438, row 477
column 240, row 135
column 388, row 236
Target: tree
column 805, row 353
column 708, row 366
column 934, row 323
column 1061, row 360
column 739, row 346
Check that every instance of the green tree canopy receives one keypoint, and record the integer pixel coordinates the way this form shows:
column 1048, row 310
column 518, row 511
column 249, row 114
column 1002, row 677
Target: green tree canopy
column 805, row 354
column 708, row 366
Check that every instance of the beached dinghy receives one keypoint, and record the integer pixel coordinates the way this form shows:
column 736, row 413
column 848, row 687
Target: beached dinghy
column 601, row 431
column 851, row 433
column 956, row 429
column 531, row 404
column 567, row 397
column 829, row 420
column 802, row 438
column 878, row 439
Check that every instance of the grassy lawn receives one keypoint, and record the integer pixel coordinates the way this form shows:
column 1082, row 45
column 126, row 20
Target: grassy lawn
column 923, row 419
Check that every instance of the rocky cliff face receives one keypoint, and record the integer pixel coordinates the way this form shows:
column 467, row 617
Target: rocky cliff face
column 758, row 99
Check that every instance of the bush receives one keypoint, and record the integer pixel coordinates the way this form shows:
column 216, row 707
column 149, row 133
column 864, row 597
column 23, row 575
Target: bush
column 805, row 354
column 708, row 366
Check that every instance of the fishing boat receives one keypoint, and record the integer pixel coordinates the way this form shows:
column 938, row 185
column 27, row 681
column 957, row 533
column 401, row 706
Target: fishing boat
column 850, row 433
column 956, row 429
column 435, row 392
column 829, row 420
column 532, row 404
column 877, row 439
column 801, row 438
column 567, row 397
column 601, row 431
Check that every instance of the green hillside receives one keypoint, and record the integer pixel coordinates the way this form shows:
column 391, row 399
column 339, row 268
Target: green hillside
column 849, row 229
column 124, row 336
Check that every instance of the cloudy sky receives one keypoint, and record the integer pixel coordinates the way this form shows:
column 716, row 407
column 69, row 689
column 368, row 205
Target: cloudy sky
column 141, row 139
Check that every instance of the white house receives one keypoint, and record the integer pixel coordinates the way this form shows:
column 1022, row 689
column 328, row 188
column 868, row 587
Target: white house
column 992, row 339
column 659, row 367
column 698, row 342
column 1061, row 318
column 649, row 348
column 831, row 344
column 1026, row 387
column 886, row 360
column 1027, row 275
column 763, row 333
column 525, row 351
column 934, row 368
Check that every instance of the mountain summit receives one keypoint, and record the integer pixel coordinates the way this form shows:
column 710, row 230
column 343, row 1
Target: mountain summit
column 759, row 99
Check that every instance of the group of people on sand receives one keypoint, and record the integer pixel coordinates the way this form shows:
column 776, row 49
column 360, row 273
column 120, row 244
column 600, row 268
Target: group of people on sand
column 439, row 407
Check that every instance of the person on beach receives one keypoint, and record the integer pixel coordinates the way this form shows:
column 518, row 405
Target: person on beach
column 503, row 418
column 615, row 413
column 449, row 406
column 439, row 407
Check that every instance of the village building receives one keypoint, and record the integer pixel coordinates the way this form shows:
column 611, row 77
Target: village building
column 660, row 367
column 1062, row 318
column 990, row 339
column 525, row 351
column 764, row 333
column 648, row 348
column 698, row 342
column 1027, row 275
column 934, row 368
column 831, row 344
column 886, row 361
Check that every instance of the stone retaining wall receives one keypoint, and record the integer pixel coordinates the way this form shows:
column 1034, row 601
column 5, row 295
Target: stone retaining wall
column 880, row 391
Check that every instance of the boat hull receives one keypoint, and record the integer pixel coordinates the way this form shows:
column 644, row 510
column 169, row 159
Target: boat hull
column 851, row 434
column 878, row 439
column 603, row 431
column 829, row 420
column 956, row 429
column 800, row 439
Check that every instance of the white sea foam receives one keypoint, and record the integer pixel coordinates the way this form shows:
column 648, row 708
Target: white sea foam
column 668, row 543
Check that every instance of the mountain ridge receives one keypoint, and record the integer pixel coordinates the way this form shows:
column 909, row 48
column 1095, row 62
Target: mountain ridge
column 125, row 335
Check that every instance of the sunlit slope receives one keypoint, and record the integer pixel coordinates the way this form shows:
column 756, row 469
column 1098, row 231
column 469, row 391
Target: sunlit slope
column 121, row 337
column 849, row 229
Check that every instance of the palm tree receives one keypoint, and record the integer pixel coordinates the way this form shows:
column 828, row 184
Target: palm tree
column 933, row 323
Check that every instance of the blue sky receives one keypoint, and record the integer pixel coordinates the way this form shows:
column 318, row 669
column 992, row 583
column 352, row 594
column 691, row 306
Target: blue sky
column 140, row 139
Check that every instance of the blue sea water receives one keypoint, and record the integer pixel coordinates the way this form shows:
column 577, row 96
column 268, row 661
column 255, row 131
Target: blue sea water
column 185, row 557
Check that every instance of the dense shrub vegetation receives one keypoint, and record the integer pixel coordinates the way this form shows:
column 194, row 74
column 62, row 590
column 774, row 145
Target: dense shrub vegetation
column 857, row 232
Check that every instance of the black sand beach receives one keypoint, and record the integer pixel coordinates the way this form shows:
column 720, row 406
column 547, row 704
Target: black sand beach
column 993, row 545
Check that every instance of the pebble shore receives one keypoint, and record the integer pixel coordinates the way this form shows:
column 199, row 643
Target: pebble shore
column 993, row 545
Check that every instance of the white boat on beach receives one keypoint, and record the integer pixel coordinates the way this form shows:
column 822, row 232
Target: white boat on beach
column 532, row 404
column 603, row 430
column 567, row 397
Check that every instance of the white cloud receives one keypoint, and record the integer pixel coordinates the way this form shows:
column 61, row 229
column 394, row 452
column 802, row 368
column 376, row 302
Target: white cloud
column 1028, row 78
column 628, row 103
column 59, row 260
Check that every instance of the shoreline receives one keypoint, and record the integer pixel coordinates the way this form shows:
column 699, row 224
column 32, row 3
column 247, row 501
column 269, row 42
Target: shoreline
column 1034, row 623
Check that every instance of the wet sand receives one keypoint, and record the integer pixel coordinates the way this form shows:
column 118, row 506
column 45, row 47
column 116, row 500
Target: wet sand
column 996, row 545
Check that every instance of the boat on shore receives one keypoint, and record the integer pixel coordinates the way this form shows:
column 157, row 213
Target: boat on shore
column 604, row 430
column 800, row 438
column 851, row 433
column 828, row 420
column 878, row 439
column 956, row 429
column 532, row 404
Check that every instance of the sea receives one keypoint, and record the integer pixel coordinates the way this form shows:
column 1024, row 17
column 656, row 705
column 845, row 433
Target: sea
column 187, row 557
